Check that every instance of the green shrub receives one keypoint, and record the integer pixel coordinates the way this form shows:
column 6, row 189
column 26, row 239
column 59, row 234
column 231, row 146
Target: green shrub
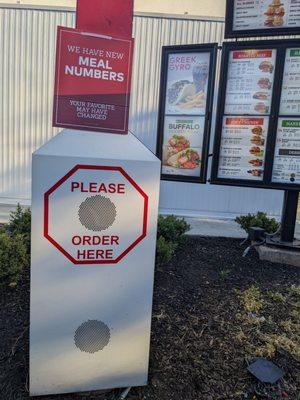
column 20, row 224
column 164, row 251
column 169, row 232
column 172, row 228
column 20, row 221
column 261, row 220
column 13, row 258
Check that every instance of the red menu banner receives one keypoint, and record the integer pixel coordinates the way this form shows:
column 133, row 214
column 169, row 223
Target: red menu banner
column 244, row 121
column 92, row 81
column 252, row 54
column 107, row 17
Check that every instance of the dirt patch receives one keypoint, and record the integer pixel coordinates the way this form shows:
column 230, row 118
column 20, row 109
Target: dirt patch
column 213, row 313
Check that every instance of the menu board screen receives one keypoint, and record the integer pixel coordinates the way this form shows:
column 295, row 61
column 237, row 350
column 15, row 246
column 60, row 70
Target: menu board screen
column 182, row 147
column 262, row 17
column 290, row 94
column 250, row 81
column 185, row 103
column 286, row 167
column 257, row 141
column 242, row 148
column 187, row 83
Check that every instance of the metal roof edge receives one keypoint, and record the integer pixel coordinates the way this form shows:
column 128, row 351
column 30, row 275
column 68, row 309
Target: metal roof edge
column 179, row 16
column 36, row 7
column 136, row 14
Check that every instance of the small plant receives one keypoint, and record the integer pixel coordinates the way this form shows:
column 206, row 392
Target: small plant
column 295, row 291
column 13, row 258
column 169, row 233
column 276, row 296
column 164, row 251
column 274, row 334
column 266, row 350
column 172, row 228
column 273, row 342
column 251, row 299
column 224, row 273
column 260, row 220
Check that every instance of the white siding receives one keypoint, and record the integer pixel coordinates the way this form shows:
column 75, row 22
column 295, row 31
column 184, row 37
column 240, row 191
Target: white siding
column 27, row 46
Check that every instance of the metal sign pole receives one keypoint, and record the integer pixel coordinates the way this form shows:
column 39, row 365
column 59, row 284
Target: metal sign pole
column 289, row 215
column 286, row 237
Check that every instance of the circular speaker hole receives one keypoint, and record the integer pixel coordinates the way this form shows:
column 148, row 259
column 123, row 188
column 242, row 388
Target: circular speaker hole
column 92, row 336
column 97, row 213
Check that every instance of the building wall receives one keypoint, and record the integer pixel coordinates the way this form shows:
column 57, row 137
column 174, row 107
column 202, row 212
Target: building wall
column 27, row 45
column 214, row 8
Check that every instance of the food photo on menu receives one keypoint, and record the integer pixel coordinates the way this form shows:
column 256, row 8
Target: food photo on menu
column 182, row 146
column 250, row 81
column 264, row 83
column 242, row 149
column 266, row 14
column 275, row 14
column 187, row 82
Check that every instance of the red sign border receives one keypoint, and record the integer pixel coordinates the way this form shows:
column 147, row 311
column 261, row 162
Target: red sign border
column 67, row 176
column 55, row 122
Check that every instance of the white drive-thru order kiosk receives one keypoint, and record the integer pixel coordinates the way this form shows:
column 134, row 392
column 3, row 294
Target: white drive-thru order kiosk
column 94, row 222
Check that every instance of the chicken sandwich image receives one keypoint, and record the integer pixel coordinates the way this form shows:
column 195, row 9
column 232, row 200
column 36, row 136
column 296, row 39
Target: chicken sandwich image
column 258, row 140
column 255, row 172
column 264, row 83
column 266, row 66
column 256, row 151
column 257, row 130
column 261, row 108
column 260, row 96
column 256, row 162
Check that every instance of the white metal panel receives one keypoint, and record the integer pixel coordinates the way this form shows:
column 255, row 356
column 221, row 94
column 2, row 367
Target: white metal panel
column 27, row 43
column 74, row 286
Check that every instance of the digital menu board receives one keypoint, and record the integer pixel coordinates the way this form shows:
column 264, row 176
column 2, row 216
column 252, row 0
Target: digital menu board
column 262, row 17
column 290, row 94
column 286, row 167
column 246, row 112
column 242, row 149
column 186, row 97
column 250, row 81
column 257, row 141
column 286, row 163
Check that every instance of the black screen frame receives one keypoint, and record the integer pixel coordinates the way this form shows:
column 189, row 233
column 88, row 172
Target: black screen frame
column 212, row 49
column 266, row 183
column 230, row 33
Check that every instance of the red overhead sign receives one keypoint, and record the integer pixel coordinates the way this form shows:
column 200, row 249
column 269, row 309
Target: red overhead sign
column 92, row 82
column 108, row 17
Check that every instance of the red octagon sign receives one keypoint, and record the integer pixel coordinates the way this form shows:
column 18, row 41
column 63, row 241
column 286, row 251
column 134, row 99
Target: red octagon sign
column 95, row 214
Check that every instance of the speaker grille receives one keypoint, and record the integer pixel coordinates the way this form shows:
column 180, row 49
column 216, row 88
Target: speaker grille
column 92, row 336
column 97, row 213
